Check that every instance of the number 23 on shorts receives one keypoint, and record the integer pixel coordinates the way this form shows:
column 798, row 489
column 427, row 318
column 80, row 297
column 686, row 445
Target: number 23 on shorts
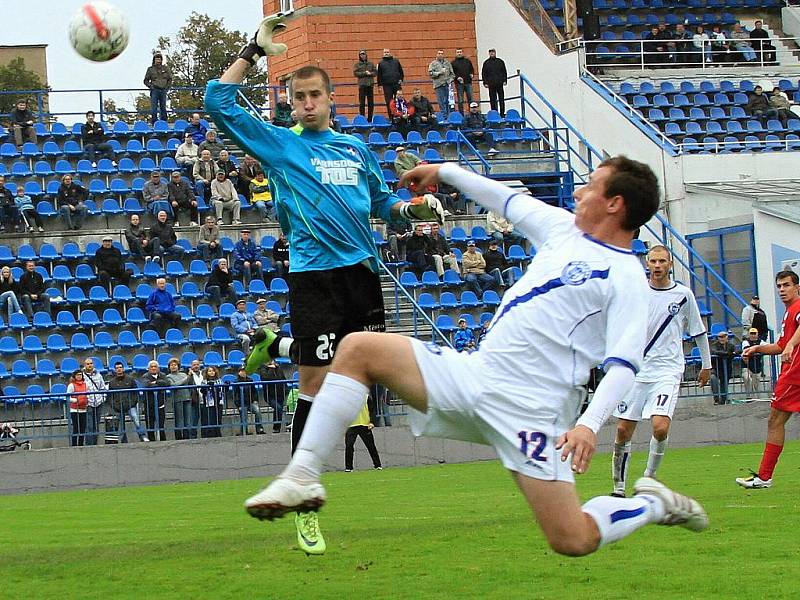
column 532, row 444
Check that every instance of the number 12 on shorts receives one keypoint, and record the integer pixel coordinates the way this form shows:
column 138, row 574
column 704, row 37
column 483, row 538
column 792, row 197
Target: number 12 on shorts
column 532, row 444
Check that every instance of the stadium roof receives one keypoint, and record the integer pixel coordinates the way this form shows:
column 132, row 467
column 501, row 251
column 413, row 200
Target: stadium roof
column 783, row 210
column 777, row 190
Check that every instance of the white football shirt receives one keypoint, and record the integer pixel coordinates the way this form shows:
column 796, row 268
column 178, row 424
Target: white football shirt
column 672, row 312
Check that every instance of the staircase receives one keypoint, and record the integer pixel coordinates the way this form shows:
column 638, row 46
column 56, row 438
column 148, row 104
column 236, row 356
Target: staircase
column 401, row 315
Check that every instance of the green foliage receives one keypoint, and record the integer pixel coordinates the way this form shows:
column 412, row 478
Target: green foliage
column 202, row 49
column 14, row 76
column 445, row 531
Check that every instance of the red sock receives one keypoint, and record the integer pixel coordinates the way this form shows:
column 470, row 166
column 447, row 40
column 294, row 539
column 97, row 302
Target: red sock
column 772, row 453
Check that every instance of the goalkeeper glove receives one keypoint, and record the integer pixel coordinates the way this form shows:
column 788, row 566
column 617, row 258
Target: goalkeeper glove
column 423, row 208
column 262, row 44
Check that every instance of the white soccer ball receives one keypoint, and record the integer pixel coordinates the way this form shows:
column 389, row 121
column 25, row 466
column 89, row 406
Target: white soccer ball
column 98, row 31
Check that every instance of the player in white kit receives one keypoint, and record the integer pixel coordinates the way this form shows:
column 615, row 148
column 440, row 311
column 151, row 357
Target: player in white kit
column 673, row 312
column 581, row 302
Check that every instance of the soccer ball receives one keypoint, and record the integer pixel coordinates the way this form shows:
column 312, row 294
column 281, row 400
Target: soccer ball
column 98, row 31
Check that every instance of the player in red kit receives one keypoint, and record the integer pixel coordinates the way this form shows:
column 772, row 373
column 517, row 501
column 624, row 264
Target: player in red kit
column 786, row 397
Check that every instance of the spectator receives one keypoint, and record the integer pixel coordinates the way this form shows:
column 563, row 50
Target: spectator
column 759, row 38
column 683, row 45
column 224, row 196
column 665, row 35
column 226, row 164
column 502, row 230
column 247, row 257
column 282, row 115
column 379, row 406
column 244, row 325
column 702, row 45
column 405, row 161
column 9, row 215
column 261, row 197
column 158, row 80
column 265, row 316
column 156, row 193
column 464, row 337
column 212, row 404
column 182, row 200
column 364, row 71
column 109, row 264
column 722, row 353
column 93, row 137
column 390, row 77
column 78, row 401
column 275, row 393
column 280, row 255
column 754, row 316
column 163, row 239
column 453, row 201
column 9, row 291
column 758, row 106
column 441, row 72
column 32, row 290
column 196, row 129
column 442, row 256
column 741, row 42
column 497, row 266
column 397, row 235
column 187, row 154
column 197, row 383
column 779, row 102
column 95, row 409
column 154, row 401
column 71, row 198
column 464, row 71
column 160, row 308
column 753, row 365
column 495, row 77
column 423, row 111
column 181, row 398
column 654, row 48
column 247, row 172
column 22, row 123
column 361, row 427
column 125, row 403
column 27, row 211
column 247, row 401
column 720, row 46
column 474, row 124
column 212, row 144
column 208, row 245
column 402, row 112
column 419, row 249
column 475, row 275
column 138, row 242
column 220, row 283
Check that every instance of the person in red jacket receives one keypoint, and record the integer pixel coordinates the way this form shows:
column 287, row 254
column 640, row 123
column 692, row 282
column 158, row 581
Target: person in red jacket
column 402, row 112
column 78, row 401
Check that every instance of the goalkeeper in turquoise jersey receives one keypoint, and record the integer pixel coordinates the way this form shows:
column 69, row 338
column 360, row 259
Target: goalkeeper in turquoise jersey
column 326, row 186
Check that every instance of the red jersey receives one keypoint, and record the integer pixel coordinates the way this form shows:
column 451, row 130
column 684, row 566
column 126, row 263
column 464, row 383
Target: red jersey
column 790, row 371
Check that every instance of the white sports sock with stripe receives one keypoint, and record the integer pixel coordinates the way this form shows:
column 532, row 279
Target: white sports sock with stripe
column 617, row 518
column 619, row 465
column 655, row 456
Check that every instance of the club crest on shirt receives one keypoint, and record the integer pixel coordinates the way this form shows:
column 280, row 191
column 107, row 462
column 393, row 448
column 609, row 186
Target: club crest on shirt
column 674, row 308
column 622, row 407
column 575, row 273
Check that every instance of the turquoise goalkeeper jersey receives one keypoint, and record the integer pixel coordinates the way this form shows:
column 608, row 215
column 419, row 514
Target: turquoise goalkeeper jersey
column 325, row 185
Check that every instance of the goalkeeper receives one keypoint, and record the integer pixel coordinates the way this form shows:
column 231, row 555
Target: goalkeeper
column 325, row 186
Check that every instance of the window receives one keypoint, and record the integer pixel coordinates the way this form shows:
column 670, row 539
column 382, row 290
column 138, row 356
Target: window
column 286, row 6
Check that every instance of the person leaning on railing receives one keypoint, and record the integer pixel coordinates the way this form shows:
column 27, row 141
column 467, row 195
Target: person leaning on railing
column 124, row 403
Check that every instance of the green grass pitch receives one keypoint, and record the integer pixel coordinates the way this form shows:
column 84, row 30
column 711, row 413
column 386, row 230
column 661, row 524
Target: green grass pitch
column 449, row 531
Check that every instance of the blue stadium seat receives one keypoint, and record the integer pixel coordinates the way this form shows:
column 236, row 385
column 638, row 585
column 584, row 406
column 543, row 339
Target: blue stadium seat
column 278, row 286
column 430, row 279
column 174, row 337
column 89, row 317
column 80, row 341
column 136, row 316
column 140, row 362
column 205, row 313
column 491, row 298
column 31, row 344
column 221, row 335
column 175, row 269
column 112, row 317
column 213, row 358
column 426, row 301
column 42, row 320
column 56, row 343
column 187, row 358
column 198, row 337
column 452, row 279
column 21, row 368
column 226, row 309
column 18, row 322
column 151, row 339
column 65, row 319
column 104, row 341
column 445, row 324
column 448, row 301
column 46, row 368
column 128, row 339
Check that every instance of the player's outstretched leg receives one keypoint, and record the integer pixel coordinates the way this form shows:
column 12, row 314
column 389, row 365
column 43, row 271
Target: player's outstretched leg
column 776, row 433
column 678, row 509
column 266, row 345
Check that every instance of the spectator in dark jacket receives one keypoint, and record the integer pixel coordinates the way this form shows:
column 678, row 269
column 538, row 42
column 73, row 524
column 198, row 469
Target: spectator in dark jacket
column 247, row 402
column 442, row 256
column 758, row 106
column 162, row 238
column 495, row 77
column 423, row 110
column 32, row 290
column 220, row 283
column 212, row 404
column 125, row 404
column 402, row 112
column 208, row 244
column 497, row 266
column 196, row 129
column 419, row 249
column 160, row 308
column 390, row 76
column 282, row 113
column 464, row 72
column 247, row 257
column 136, row 236
column 154, row 401
column 93, row 137
column 247, row 172
column 109, row 264
column 71, row 197
column 22, row 123
column 475, row 123
column 158, row 79
column 364, row 71
column 181, row 199
column 9, row 215
column 280, row 255
column 722, row 353
column 765, row 51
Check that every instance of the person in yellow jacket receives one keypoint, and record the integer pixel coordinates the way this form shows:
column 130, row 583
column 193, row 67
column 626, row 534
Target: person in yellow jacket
column 261, row 197
column 361, row 427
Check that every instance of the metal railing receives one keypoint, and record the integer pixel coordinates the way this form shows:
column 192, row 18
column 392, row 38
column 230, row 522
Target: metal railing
column 538, row 19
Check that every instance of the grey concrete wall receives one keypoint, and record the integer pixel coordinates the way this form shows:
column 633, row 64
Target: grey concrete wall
column 265, row 455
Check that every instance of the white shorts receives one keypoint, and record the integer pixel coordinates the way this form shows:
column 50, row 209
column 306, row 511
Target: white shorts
column 464, row 404
column 648, row 398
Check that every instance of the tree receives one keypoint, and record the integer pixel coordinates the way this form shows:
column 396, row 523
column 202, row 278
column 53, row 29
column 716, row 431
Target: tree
column 202, row 50
column 14, row 76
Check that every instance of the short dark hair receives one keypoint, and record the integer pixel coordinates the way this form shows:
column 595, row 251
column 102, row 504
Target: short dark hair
column 788, row 273
column 120, row 363
column 638, row 185
column 310, row 71
column 89, row 112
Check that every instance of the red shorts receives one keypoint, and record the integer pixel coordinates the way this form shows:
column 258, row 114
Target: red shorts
column 786, row 397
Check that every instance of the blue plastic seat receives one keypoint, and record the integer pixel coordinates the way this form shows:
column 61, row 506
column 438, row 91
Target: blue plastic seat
column 89, row 318
column 221, row 335
column 226, row 309
column 42, row 320
column 80, row 341
column 174, row 337
column 278, row 286
column 31, row 344
column 128, row 339
column 426, row 301
column 21, row 368
column 46, row 368
column 112, row 317
column 140, row 362
column 56, row 343
column 469, row 299
column 448, row 300
column 445, row 324
column 175, row 269
column 198, row 337
column 205, row 313
column 151, row 339
column 136, row 316
column 104, row 341
column 213, row 358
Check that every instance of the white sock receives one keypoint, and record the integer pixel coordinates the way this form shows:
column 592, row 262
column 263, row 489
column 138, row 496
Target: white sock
column 619, row 465
column 283, row 346
column 617, row 518
column 336, row 406
column 655, row 455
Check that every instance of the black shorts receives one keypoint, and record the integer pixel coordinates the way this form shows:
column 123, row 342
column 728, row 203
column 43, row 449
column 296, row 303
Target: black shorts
column 327, row 305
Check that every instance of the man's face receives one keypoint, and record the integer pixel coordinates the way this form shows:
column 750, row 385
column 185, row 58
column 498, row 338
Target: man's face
column 757, row 25
column 89, row 117
column 462, row 324
column 209, row 221
column 119, row 370
column 158, row 59
column 679, row 28
column 755, row 302
column 211, row 135
column 249, row 160
column 195, row 366
column 440, row 54
column 473, row 109
column 459, row 53
column 223, row 263
column 787, row 290
column 282, row 97
column 188, row 139
column 152, row 368
column 312, row 103
column 88, row 365
column 245, row 236
column 591, row 201
column 417, row 94
column 196, row 119
column 493, row 247
column 659, row 263
column 155, row 176
column 722, row 338
column 492, row 54
column 67, row 179
column 758, row 90
column 261, row 305
column 22, row 105
column 205, row 155
column 162, row 216
column 161, row 283
column 471, row 248
column 434, row 230
column 106, row 243
column 399, row 94
column 30, row 266
column 241, row 307
column 134, row 219
column 176, row 178
column 654, row 31
column 223, row 155
column 387, row 53
column 221, row 176
column 752, row 336
column 418, row 230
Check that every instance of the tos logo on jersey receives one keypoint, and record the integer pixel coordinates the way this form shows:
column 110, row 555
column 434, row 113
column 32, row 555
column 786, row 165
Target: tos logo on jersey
column 336, row 172
column 576, row 273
